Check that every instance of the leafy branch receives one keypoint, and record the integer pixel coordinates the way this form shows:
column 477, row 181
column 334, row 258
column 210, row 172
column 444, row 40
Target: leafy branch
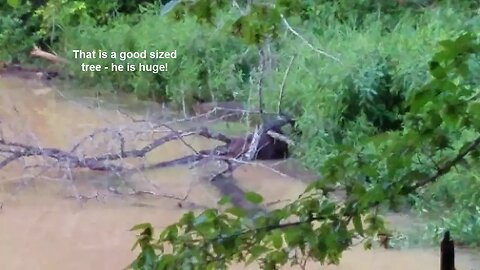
column 441, row 171
column 316, row 225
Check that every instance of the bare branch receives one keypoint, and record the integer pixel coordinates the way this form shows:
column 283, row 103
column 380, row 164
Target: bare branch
column 280, row 137
column 442, row 170
column 181, row 139
column 37, row 52
column 285, row 22
column 252, row 150
column 282, row 87
column 261, row 75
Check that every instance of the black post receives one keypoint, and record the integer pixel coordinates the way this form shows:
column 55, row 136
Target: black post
column 447, row 253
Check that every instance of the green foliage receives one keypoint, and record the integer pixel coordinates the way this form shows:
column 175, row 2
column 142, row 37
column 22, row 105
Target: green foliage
column 397, row 163
column 43, row 21
column 57, row 14
column 14, row 3
column 377, row 67
column 16, row 37
column 364, row 93
column 209, row 63
column 453, row 203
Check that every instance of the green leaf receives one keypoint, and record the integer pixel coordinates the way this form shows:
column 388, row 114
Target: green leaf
column 277, row 239
column 293, row 237
column 166, row 261
column 437, row 70
column 236, row 211
column 170, row 233
column 278, row 257
column 420, row 98
column 256, row 252
column 224, row 200
column 368, row 244
column 207, row 216
column 327, row 208
column 319, row 250
column 447, row 44
column 358, row 225
column 253, row 197
column 142, row 227
column 14, row 3
column 474, row 108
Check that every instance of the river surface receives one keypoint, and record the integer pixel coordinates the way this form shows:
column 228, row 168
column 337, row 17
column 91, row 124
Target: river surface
column 79, row 219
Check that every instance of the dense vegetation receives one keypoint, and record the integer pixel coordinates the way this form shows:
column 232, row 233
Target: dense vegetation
column 391, row 93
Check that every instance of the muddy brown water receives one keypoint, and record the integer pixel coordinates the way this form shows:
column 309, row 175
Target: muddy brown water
column 43, row 226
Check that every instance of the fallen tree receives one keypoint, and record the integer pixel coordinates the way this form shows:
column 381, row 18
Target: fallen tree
column 258, row 145
column 106, row 162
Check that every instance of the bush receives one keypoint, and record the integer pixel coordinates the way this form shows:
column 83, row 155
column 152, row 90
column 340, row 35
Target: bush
column 453, row 203
column 209, row 63
column 378, row 69
column 17, row 32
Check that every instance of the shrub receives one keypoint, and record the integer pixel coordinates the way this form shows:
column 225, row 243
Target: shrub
column 208, row 63
column 17, row 32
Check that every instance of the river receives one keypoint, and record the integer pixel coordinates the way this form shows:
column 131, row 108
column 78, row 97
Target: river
column 81, row 219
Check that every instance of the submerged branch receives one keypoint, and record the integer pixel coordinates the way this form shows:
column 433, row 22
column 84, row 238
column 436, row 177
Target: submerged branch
column 106, row 161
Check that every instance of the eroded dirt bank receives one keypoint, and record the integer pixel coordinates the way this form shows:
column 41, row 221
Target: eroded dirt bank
column 43, row 226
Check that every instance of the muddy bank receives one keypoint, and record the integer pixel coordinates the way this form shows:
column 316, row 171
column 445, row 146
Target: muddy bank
column 43, row 226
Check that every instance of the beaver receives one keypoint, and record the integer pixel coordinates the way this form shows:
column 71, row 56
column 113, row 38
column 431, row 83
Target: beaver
column 269, row 148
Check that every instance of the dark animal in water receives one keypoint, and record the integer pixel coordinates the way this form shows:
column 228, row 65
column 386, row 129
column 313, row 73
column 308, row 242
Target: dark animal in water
column 228, row 110
column 269, row 148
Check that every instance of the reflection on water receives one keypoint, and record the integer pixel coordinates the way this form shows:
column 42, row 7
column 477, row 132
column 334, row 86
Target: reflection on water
column 42, row 226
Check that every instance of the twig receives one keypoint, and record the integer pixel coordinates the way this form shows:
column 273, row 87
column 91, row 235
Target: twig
column 268, row 204
column 280, row 137
column 81, row 197
column 181, row 139
column 252, row 150
column 285, row 22
column 282, row 87
column 90, row 137
column 261, row 69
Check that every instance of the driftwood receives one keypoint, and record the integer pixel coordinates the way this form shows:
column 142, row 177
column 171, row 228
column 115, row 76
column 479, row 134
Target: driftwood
column 37, row 52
